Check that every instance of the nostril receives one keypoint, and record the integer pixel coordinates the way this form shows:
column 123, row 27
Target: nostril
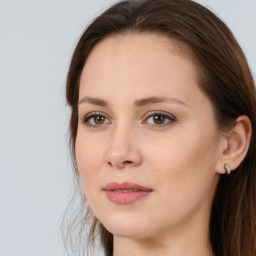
column 120, row 165
column 127, row 162
column 109, row 163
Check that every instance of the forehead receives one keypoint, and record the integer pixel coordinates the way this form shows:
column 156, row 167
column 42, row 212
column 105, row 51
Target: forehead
column 137, row 64
column 135, row 47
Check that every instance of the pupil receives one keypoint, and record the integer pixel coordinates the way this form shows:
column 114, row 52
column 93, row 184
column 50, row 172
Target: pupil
column 99, row 119
column 159, row 119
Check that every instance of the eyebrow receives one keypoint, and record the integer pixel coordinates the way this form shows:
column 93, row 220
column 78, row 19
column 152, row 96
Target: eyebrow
column 137, row 103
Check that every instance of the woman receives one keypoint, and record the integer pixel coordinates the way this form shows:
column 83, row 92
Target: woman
column 162, row 132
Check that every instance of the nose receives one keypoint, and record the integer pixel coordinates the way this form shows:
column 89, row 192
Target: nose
column 123, row 150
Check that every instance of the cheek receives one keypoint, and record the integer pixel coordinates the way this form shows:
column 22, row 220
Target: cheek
column 182, row 152
column 89, row 158
column 184, row 165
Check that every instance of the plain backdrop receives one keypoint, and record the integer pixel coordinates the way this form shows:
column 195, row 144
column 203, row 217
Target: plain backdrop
column 36, row 43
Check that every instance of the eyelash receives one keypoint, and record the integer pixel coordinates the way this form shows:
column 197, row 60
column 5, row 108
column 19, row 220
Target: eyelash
column 171, row 119
column 91, row 115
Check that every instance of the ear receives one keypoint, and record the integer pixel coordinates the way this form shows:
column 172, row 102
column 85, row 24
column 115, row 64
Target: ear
column 235, row 144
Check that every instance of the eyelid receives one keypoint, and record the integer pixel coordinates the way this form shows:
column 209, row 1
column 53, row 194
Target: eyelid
column 167, row 115
column 160, row 112
column 84, row 119
column 95, row 113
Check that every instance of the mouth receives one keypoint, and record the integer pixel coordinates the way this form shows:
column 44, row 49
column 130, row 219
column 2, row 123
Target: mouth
column 125, row 193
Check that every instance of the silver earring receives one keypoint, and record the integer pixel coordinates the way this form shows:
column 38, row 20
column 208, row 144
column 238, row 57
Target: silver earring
column 227, row 168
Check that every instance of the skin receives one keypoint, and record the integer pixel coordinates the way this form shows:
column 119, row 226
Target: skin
column 179, row 159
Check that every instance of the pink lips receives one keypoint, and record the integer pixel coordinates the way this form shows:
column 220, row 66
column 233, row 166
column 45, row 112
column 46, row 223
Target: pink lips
column 125, row 193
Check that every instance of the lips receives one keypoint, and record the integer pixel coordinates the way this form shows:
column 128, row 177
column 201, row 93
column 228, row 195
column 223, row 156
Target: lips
column 125, row 193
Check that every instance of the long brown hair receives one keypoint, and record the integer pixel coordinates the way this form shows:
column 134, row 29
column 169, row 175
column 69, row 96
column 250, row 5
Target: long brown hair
column 224, row 77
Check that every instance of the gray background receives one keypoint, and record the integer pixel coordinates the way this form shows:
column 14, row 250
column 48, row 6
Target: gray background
column 36, row 42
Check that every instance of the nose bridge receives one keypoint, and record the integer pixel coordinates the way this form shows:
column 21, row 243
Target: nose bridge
column 119, row 138
column 122, row 147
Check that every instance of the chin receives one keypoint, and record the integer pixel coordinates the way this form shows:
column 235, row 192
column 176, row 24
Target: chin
column 126, row 226
column 128, row 232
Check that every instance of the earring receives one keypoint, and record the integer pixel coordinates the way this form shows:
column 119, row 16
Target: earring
column 227, row 168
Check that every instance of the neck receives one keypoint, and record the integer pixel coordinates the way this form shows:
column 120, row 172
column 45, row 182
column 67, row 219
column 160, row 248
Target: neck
column 191, row 238
column 178, row 246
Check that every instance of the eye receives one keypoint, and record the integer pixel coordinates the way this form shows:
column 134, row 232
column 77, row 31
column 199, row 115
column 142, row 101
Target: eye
column 98, row 119
column 159, row 118
column 95, row 120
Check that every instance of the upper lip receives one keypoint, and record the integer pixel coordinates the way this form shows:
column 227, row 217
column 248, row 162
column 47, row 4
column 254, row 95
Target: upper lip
column 125, row 186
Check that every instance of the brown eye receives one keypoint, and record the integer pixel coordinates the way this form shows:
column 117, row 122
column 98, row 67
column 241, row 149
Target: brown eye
column 158, row 119
column 95, row 120
column 99, row 119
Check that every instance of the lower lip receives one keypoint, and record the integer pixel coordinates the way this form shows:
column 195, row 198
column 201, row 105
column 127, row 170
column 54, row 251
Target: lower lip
column 127, row 197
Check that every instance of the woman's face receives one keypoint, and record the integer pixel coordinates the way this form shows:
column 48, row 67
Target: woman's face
column 147, row 144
